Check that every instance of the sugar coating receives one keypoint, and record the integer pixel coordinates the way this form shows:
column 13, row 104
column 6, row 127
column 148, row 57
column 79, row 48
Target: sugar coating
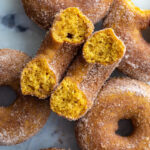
column 31, row 116
column 119, row 99
column 43, row 11
column 127, row 21
column 26, row 115
column 9, row 67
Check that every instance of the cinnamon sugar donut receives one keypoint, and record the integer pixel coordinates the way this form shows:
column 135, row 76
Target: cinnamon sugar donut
column 75, row 95
column 128, row 20
column 43, row 12
column 119, row 99
column 42, row 74
column 26, row 115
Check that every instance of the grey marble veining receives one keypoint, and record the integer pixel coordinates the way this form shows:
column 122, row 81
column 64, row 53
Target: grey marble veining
column 18, row 32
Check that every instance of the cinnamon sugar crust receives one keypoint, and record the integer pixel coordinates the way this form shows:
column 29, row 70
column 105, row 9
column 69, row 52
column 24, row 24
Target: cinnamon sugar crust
column 128, row 21
column 119, row 99
column 26, row 116
column 43, row 12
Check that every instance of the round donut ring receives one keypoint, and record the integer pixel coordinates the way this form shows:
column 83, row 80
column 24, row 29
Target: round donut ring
column 43, row 12
column 128, row 20
column 27, row 115
column 119, row 99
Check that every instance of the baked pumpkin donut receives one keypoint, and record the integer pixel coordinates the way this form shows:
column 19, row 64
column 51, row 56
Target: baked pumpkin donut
column 43, row 12
column 42, row 74
column 119, row 99
column 26, row 116
column 75, row 95
column 128, row 20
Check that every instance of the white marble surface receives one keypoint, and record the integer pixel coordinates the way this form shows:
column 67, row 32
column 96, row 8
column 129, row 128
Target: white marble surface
column 29, row 39
column 18, row 32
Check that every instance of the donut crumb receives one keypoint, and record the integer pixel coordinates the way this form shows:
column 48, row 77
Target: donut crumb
column 68, row 100
column 72, row 26
column 103, row 47
column 37, row 78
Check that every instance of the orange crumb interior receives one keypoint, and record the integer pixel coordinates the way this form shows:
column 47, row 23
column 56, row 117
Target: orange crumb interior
column 104, row 48
column 68, row 100
column 72, row 26
column 37, row 79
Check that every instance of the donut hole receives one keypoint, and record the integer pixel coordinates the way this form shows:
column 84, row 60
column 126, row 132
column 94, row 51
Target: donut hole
column 68, row 100
column 72, row 26
column 37, row 79
column 145, row 34
column 7, row 96
column 125, row 128
column 104, row 48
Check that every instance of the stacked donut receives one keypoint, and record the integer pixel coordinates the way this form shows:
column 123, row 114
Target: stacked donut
column 72, row 67
column 73, row 95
